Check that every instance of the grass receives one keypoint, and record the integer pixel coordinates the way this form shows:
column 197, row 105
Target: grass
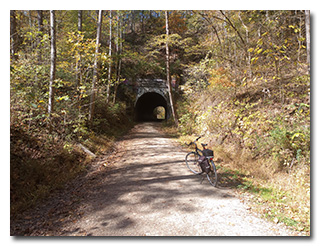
column 261, row 143
column 279, row 197
column 278, row 204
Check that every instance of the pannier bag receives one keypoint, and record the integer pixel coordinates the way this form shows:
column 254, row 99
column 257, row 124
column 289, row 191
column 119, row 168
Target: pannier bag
column 207, row 152
column 204, row 164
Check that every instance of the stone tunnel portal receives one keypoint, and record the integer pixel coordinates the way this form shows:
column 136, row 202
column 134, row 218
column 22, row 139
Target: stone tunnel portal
column 146, row 105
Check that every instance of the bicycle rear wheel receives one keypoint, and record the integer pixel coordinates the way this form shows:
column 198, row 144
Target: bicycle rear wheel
column 192, row 162
column 213, row 175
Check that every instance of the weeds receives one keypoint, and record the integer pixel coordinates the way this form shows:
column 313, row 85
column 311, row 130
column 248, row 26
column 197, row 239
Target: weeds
column 275, row 203
column 43, row 162
column 261, row 141
column 38, row 166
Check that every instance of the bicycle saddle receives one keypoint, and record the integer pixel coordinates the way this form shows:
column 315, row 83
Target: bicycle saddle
column 204, row 145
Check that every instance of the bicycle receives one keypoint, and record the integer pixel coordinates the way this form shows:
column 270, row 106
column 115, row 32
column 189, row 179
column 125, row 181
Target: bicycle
column 193, row 162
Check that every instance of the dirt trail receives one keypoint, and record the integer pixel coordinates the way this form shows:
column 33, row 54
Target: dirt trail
column 145, row 189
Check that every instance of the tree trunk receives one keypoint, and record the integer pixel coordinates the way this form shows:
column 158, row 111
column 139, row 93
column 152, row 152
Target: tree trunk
column 237, row 31
column 168, row 70
column 52, row 62
column 110, row 53
column 95, row 69
column 119, row 50
column 40, row 30
column 80, row 20
column 78, row 62
column 13, row 35
column 247, row 40
column 32, row 42
column 300, row 37
column 308, row 39
column 132, row 25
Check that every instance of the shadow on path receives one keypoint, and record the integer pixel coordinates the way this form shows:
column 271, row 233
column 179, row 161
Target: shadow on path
column 147, row 182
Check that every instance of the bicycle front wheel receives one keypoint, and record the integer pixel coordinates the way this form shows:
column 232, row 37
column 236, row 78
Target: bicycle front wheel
column 192, row 162
column 212, row 175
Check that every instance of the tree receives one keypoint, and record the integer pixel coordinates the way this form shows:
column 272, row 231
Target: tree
column 168, row 70
column 110, row 53
column 247, row 43
column 40, row 33
column 118, row 50
column 13, row 35
column 307, row 12
column 52, row 61
column 78, row 61
column 95, row 68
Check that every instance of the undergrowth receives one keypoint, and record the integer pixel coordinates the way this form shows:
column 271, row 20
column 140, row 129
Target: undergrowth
column 281, row 197
column 42, row 161
column 40, row 165
column 281, row 201
column 262, row 131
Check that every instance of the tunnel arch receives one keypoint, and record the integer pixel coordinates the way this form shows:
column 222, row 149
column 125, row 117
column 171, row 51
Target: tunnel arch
column 146, row 104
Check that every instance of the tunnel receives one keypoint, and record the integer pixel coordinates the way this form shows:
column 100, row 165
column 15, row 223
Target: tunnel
column 146, row 106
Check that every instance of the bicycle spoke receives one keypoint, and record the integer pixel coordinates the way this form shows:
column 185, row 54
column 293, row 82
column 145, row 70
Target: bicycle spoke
column 212, row 175
column 192, row 162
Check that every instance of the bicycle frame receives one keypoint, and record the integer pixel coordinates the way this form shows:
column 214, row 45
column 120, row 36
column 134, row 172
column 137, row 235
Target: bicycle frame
column 194, row 166
column 199, row 151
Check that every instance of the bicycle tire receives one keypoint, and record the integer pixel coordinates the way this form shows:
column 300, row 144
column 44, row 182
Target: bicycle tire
column 192, row 162
column 213, row 175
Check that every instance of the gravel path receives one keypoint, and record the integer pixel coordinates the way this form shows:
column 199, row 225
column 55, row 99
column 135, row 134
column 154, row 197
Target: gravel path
column 145, row 189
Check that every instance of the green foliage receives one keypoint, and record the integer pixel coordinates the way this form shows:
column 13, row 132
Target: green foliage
column 243, row 83
column 196, row 76
column 43, row 159
column 188, row 117
column 259, row 125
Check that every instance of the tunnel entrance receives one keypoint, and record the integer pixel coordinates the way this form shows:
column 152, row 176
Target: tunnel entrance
column 150, row 107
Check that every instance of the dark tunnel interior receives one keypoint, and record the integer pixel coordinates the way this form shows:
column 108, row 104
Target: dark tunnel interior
column 146, row 104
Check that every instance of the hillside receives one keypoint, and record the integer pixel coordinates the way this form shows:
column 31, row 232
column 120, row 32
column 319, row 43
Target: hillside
column 239, row 78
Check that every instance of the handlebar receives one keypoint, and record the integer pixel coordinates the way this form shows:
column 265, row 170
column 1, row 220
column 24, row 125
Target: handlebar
column 198, row 138
column 194, row 142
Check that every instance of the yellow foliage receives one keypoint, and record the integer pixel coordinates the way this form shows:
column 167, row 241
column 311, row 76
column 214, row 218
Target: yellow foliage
column 220, row 77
